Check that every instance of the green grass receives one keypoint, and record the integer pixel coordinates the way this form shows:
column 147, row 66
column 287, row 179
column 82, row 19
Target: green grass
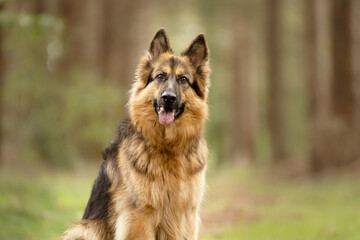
column 40, row 207
column 296, row 210
column 239, row 204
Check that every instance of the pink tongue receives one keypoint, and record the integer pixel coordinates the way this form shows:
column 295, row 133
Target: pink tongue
column 166, row 117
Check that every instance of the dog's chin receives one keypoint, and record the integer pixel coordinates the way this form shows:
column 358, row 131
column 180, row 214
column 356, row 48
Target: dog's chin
column 167, row 115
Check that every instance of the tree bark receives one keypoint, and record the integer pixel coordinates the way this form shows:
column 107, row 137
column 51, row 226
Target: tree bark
column 312, row 56
column 83, row 32
column 318, row 116
column 118, row 44
column 334, row 130
column 342, row 84
column 100, row 37
column 242, row 89
column 356, row 62
column 345, row 148
column 2, row 75
column 275, row 85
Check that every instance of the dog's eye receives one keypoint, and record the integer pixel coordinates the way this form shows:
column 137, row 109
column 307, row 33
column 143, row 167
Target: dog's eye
column 160, row 77
column 183, row 80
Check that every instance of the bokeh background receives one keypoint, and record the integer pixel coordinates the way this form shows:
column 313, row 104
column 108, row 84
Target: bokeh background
column 284, row 126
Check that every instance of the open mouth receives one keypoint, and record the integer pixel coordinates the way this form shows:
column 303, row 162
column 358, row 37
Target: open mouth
column 168, row 115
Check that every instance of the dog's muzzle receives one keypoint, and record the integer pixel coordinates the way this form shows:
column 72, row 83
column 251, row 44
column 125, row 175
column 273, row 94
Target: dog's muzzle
column 168, row 107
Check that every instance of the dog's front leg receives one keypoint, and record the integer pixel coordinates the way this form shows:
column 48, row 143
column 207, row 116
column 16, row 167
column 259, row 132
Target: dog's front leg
column 87, row 230
column 192, row 226
column 134, row 225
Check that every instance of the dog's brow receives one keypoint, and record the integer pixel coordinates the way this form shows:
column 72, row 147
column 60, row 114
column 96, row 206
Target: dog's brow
column 173, row 65
column 166, row 69
column 165, row 66
column 182, row 69
column 173, row 62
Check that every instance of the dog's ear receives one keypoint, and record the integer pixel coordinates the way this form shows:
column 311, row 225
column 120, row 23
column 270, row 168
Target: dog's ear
column 197, row 51
column 159, row 44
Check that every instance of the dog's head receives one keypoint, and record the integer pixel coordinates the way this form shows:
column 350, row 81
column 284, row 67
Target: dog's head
column 170, row 90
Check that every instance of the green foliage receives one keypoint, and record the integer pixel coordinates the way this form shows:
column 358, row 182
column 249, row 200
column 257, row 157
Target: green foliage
column 29, row 87
column 34, row 25
column 52, row 116
column 4, row 1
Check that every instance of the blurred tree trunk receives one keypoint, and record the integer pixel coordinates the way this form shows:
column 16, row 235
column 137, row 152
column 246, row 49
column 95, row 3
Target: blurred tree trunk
column 92, row 35
column 31, row 6
column 73, row 13
column 275, row 85
column 356, row 63
column 342, row 84
column 83, row 32
column 242, row 89
column 343, row 96
column 356, row 58
column 333, row 131
column 2, row 75
column 101, row 36
column 318, row 100
column 312, row 55
column 122, row 30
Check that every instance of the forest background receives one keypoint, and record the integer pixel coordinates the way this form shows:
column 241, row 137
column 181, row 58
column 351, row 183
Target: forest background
column 284, row 125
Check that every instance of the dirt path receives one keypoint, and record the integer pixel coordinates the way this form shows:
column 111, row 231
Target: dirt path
column 227, row 202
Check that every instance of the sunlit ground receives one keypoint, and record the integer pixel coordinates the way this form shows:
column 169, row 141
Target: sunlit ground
column 239, row 204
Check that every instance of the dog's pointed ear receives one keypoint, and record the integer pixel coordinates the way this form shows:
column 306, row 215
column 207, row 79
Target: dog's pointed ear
column 159, row 44
column 197, row 51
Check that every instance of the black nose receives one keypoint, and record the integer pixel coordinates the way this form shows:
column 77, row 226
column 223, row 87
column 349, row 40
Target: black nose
column 168, row 97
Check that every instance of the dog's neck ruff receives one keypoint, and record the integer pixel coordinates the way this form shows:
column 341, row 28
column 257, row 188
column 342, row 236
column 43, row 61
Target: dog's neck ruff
column 170, row 138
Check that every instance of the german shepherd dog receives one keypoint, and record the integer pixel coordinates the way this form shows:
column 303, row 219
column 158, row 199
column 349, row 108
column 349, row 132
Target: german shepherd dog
column 151, row 182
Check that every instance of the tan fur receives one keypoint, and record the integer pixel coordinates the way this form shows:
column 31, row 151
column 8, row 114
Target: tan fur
column 87, row 230
column 158, row 176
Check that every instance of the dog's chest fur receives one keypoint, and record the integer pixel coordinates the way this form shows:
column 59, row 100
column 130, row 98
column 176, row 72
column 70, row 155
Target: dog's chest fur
column 166, row 186
column 158, row 177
